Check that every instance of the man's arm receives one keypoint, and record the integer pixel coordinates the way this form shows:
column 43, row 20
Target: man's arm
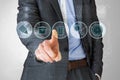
column 97, row 63
column 45, row 50
column 28, row 11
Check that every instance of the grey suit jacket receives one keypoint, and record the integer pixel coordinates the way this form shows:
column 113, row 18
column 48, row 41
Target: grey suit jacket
column 49, row 11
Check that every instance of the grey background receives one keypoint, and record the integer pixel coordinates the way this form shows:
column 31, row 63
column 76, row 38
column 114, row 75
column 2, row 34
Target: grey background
column 13, row 53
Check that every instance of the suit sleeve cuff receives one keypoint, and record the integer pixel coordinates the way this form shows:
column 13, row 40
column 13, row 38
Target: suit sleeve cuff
column 97, row 75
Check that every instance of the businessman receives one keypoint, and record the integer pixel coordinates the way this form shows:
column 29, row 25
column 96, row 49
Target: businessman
column 68, row 58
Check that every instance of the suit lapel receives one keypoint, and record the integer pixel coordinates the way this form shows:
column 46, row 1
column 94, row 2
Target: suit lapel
column 56, row 7
column 78, row 6
column 78, row 9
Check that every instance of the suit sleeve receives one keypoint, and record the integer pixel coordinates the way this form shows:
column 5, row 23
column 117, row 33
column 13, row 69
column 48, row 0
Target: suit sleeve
column 97, row 63
column 28, row 11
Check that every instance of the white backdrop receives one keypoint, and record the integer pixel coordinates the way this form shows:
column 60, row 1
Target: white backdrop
column 13, row 53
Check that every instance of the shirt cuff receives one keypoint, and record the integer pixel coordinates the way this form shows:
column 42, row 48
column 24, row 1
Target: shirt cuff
column 99, row 78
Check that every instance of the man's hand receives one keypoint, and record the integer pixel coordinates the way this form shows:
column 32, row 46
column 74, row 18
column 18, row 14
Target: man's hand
column 48, row 50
